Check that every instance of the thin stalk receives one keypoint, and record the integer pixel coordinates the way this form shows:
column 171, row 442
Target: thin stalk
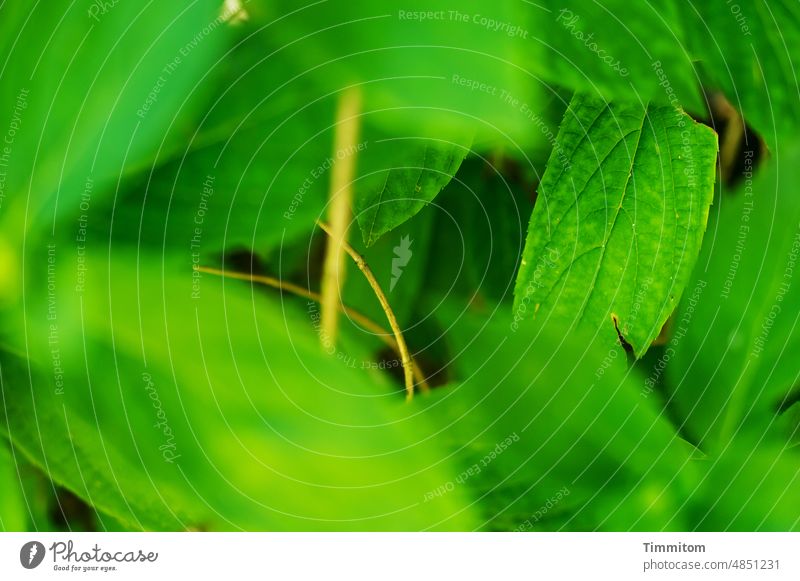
column 355, row 315
column 405, row 356
column 345, row 146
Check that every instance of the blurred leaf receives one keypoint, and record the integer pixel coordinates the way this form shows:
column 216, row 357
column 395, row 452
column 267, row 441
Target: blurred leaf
column 256, row 173
column 13, row 514
column 263, row 186
column 423, row 66
column 91, row 96
column 485, row 66
column 747, row 489
column 566, row 438
column 618, row 49
column 619, row 219
column 789, row 424
column 577, row 421
column 735, row 337
column 751, row 52
column 39, row 493
column 252, row 176
column 209, row 407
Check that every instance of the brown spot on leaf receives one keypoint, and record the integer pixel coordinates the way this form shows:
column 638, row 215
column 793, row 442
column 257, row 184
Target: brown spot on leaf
column 622, row 341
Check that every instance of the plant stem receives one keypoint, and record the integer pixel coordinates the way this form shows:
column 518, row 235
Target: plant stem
column 339, row 201
column 297, row 290
column 398, row 334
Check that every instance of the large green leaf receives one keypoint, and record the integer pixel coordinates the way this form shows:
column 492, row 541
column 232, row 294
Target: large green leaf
column 736, row 334
column 92, row 94
column 537, row 412
column 747, row 488
column 425, row 61
column 619, row 219
column 199, row 404
column 263, row 184
column 256, row 173
column 567, row 437
column 617, row 49
column 752, row 53
column 485, row 65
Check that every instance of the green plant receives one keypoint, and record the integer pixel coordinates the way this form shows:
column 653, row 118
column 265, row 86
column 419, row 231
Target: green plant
column 600, row 311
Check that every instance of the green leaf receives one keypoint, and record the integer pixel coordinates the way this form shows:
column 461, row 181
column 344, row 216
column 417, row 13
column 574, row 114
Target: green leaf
column 747, row 488
column 267, row 185
column 735, row 335
column 485, row 66
column 13, row 514
column 751, row 52
column 619, row 219
column 618, row 50
column 402, row 176
column 789, row 424
column 263, row 185
column 426, row 64
column 197, row 404
column 256, row 174
column 577, row 421
column 92, row 96
column 567, row 437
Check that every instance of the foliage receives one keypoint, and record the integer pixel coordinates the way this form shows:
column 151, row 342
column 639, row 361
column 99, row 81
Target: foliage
column 592, row 262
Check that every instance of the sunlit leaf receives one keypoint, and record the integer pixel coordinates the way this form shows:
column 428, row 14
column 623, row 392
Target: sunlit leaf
column 619, row 219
